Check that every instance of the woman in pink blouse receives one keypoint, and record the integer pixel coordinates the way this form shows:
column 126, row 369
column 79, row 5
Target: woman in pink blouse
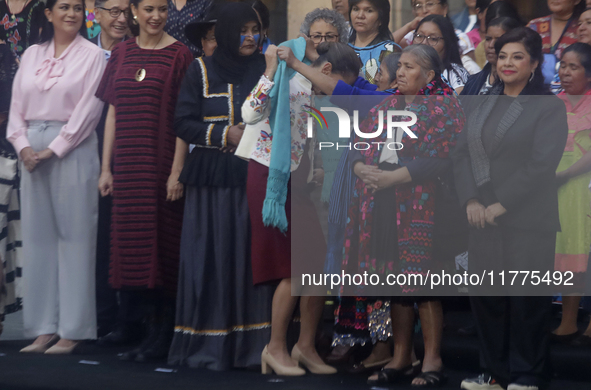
column 53, row 115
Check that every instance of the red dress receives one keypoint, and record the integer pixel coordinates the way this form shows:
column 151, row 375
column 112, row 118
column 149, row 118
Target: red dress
column 145, row 228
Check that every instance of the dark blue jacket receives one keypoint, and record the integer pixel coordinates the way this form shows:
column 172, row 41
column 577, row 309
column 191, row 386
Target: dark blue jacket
column 476, row 81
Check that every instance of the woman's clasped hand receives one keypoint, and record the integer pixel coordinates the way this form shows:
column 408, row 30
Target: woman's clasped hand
column 479, row 216
column 31, row 158
column 374, row 178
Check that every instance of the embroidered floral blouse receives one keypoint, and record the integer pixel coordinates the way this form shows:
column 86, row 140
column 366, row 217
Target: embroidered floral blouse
column 21, row 30
column 543, row 26
column 257, row 108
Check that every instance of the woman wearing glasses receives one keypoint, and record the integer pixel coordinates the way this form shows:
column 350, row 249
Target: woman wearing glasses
column 370, row 35
column 323, row 25
column 437, row 32
column 424, row 8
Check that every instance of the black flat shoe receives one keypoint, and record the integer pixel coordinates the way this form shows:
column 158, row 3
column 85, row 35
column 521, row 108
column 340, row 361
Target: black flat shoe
column 564, row 339
column 469, row 330
column 582, row 341
column 361, row 368
column 120, row 336
column 393, row 375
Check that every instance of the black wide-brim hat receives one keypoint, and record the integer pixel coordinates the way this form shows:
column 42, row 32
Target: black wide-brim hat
column 197, row 30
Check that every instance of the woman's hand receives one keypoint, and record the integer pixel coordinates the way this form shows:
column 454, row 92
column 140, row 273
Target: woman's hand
column 235, row 134
column 106, row 183
column 45, row 154
column 318, row 177
column 413, row 24
column 368, row 173
column 311, row 53
column 30, row 158
column 379, row 180
column 174, row 188
column 562, row 178
column 286, row 55
column 361, row 170
column 493, row 211
column 476, row 213
column 272, row 61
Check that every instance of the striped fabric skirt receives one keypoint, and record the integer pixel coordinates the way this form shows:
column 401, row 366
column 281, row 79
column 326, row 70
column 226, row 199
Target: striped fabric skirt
column 10, row 232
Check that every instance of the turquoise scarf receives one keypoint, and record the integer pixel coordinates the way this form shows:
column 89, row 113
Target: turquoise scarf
column 279, row 120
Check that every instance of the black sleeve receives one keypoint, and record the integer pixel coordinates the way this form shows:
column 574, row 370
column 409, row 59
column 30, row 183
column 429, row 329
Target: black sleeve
column 354, row 156
column 421, row 168
column 462, row 168
column 426, row 168
column 551, row 132
column 188, row 120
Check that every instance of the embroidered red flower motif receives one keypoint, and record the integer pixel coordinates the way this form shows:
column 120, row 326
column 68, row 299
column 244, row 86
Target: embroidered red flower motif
column 7, row 23
column 15, row 38
column 544, row 27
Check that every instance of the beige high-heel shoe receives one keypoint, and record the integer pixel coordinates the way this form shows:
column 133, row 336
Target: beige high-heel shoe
column 315, row 368
column 269, row 364
column 40, row 348
column 59, row 350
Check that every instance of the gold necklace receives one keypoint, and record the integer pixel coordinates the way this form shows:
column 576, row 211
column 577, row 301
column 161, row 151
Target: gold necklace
column 141, row 72
column 12, row 13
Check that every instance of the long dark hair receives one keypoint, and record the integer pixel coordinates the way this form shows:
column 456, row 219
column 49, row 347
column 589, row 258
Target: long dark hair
column 532, row 41
column 452, row 49
column 383, row 7
column 499, row 9
column 131, row 22
column 342, row 57
column 506, row 23
column 263, row 12
column 47, row 32
column 579, row 9
column 583, row 51
column 391, row 61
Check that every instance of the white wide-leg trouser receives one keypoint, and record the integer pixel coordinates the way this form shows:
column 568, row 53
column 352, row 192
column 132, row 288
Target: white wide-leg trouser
column 59, row 217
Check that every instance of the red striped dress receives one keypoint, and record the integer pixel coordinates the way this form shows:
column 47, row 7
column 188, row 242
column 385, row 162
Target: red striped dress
column 145, row 228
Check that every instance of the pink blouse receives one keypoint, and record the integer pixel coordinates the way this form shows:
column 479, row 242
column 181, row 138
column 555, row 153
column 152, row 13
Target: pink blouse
column 57, row 89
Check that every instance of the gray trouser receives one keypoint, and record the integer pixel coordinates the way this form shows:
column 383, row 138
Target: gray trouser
column 59, row 227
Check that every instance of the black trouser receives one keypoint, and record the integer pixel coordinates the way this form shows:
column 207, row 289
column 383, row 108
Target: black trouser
column 514, row 331
column 514, row 336
column 106, row 297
